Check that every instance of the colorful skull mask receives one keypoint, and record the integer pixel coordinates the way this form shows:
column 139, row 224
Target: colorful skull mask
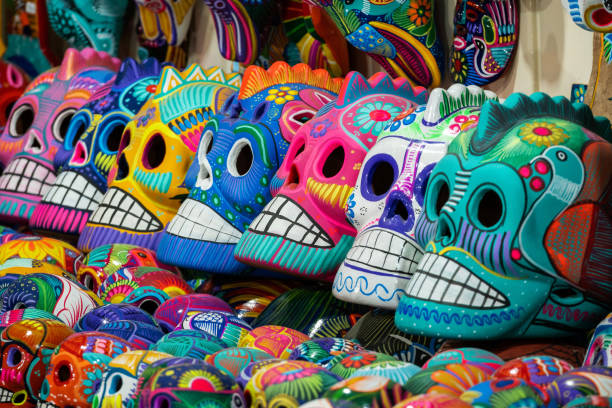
column 239, row 153
column 486, row 34
column 38, row 124
column 599, row 351
column 163, row 29
column 592, row 15
column 146, row 184
column 25, row 348
column 76, row 366
column 506, row 205
column 303, row 230
column 13, row 82
column 400, row 35
column 88, row 23
column 90, row 148
column 389, row 193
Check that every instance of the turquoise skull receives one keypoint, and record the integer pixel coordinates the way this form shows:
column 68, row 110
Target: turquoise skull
column 520, row 212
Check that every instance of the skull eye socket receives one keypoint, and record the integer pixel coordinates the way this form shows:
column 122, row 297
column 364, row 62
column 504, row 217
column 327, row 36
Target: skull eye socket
column 125, row 141
column 154, row 152
column 162, row 402
column 113, row 133
column 61, row 124
column 437, row 196
column 490, row 208
column 206, row 143
column 63, row 372
column 14, row 357
column 240, row 158
column 116, row 384
column 378, row 176
column 21, row 120
column 333, row 162
column 260, row 111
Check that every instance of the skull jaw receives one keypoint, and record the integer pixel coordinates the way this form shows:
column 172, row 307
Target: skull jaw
column 94, row 236
column 10, row 399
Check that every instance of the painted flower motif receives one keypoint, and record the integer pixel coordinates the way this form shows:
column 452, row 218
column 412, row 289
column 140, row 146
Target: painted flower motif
column 459, row 67
column 419, row 12
column 373, row 117
column 92, row 383
column 296, row 374
column 542, row 134
column 281, row 95
column 143, row 89
column 358, row 360
column 320, row 128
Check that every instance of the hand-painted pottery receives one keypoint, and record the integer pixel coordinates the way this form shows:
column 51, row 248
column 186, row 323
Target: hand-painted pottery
column 376, row 331
column 8, row 234
column 90, row 148
column 433, row 401
column 188, row 385
column 173, row 311
column 120, row 379
column 37, row 127
column 139, row 334
column 240, row 151
column 14, row 268
column 592, row 15
column 13, row 82
column 581, row 382
column 146, row 183
column 226, row 327
column 189, row 343
column 44, row 249
column 143, row 286
column 537, row 371
column 590, row 402
column 451, row 379
column 233, row 360
column 326, row 317
column 327, row 403
column 345, row 364
column 24, row 347
column 398, row 371
column 163, row 26
column 483, row 359
column 249, row 298
column 102, row 315
column 89, row 23
column 252, row 368
column 277, row 341
column 14, row 316
column 400, row 35
column 506, row 392
column 486, row 35
column 288, row 384
column 322, row 350
column 599, row 351
column 303, row 230
column 76, row 367
column 367, row 391
column 64, row 298
column 499, row 249
column 389, row 192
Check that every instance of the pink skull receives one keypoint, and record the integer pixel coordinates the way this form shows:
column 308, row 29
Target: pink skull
column 38, row 123
column 303, row 230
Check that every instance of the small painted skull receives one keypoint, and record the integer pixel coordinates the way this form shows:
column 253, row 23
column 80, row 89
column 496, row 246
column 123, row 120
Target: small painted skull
column 591, row 15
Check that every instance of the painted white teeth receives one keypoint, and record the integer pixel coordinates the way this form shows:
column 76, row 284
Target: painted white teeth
column 6, row 396
column 121, row 210
column 283, row 217
column 440, row 279
column 23, row 175
column 73, row 190
column 195, row 220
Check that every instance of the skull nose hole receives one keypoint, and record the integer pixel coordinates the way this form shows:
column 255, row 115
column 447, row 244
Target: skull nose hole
column 63, row 373
column 123, row 168
column 294, row 177
column 149, row 306
column 33, row 143
column 443, row 232
column 398, row 208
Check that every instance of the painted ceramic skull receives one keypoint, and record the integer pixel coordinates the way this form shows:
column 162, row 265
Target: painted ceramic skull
column 486, row 35
column 119, row 381
column 303, row 230
column 592, row 15
column 389, row 193
column 599, row 351
column 75, row 369
column 518, row 209
column 25, row 347
column 13, row 82
column 400, row 35
column 239, row 153
column 45, row 249
column 38, row 124
column 146, row 184
column 163, row 29
column 90, row 148
column 88, row 23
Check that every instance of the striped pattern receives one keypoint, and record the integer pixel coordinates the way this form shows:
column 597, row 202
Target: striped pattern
column 153, row 180
column 335, row 195
column 104, row 161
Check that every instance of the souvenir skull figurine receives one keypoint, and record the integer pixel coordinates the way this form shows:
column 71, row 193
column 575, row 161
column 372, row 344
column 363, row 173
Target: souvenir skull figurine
column 388, row 196
column 25, row 347
column 88, row 23
column 518, row 209
column 75, row 368
column 303, row 230
column 38, row 124
column 400, row 35
column 599, row 351
column 90, row 148
column 146, row 184
column 592, row 15
column 13, row 82
column 45, row 249
column 239, row 153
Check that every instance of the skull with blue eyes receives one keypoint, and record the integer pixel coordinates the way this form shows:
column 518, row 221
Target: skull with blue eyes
column 90, row 148
column 239, row 153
